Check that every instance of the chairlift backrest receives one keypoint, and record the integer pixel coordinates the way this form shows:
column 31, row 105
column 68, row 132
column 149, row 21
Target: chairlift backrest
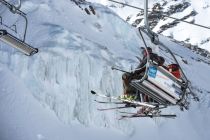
column 158, row 75
column 153, row 36
column 160, row 85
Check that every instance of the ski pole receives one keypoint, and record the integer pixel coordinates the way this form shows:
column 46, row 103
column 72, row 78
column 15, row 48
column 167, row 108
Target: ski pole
column 113, row 68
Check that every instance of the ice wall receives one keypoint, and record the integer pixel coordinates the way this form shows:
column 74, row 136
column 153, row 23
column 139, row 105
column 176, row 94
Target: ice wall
column 76, row 52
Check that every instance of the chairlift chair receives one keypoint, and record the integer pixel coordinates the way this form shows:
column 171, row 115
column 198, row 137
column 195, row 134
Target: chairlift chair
column 162, row 87
column 10, row 39
column 17, row 43
column 158, row 83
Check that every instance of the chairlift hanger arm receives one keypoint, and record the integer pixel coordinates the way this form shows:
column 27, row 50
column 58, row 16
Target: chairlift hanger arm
column 153, row 36
column 19, row 6
column 148, row 58
column 13, row 8
column 185, row 77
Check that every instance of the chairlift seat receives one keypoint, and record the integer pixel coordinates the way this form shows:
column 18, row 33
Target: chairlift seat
column 17, row 43
column 161, row 85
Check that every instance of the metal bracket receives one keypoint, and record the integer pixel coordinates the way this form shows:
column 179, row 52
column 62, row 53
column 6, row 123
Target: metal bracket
column 153, row 36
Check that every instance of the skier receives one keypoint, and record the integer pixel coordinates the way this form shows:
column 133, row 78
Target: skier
column 129, row 91
column 174, row 69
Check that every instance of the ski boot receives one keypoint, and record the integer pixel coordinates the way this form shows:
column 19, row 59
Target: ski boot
column 128, row 97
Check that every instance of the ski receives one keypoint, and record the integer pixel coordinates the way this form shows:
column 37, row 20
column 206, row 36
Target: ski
column 104, row 102
column 131, row 113
column 123, row 100
column 115, row 108
column 172, row 116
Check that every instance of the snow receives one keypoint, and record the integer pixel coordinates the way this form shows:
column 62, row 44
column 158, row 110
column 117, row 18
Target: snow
column 50, row 97
column 184, row 31
column 23, row 117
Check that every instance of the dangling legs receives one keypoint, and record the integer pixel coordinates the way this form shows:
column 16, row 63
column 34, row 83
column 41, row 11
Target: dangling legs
column 128, row 91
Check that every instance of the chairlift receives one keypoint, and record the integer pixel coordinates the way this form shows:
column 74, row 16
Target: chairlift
column 158, row 83
column 10, row 39
column 158, row 88
column 161, row 87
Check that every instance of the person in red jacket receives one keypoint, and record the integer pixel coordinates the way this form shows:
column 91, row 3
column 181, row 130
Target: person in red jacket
column 174, row 69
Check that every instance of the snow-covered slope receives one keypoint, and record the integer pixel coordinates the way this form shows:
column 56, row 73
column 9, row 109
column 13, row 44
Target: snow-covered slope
column 76, row 53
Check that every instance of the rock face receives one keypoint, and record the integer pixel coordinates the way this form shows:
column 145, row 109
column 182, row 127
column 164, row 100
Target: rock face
column 159, row 23
column 159, row 13
column 85, row 6
column 159, row 10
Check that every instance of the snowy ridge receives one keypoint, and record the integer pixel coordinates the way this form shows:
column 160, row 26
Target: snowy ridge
column 190, row 10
